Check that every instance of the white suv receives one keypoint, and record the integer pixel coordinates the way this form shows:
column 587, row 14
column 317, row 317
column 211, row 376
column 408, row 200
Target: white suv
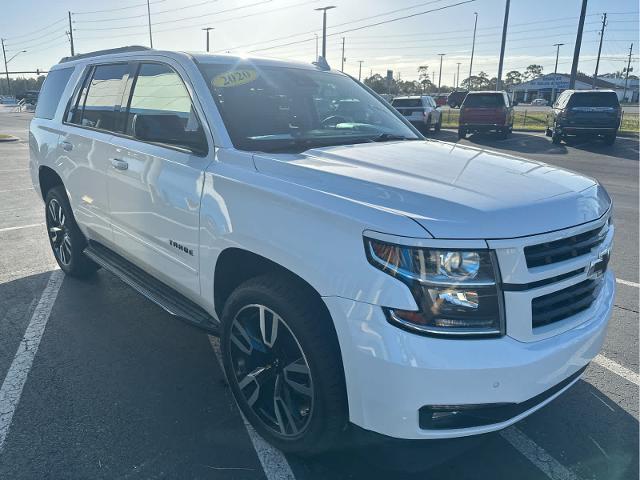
column 356, row 273
column 421, row 111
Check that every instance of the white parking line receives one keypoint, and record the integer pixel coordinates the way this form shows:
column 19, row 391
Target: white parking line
column 13, row 384
column 628, row 283
column 537, row 455
column 9, row 229
column 273, row 461
column 618, row 369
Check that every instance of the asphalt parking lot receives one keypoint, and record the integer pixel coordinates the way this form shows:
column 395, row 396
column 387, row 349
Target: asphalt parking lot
column 116, row 388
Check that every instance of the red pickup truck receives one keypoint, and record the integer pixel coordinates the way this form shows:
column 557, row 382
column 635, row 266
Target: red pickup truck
column 489, row 111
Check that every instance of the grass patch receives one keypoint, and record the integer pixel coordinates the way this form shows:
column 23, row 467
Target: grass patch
column 525, row 120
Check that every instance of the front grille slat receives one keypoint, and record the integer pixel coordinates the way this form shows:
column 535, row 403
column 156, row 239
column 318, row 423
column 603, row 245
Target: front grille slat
column 565, row 248
column 564, row 303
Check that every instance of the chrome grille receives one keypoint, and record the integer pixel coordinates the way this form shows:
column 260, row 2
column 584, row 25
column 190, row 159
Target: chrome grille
column 564, row 249
column 564, row 303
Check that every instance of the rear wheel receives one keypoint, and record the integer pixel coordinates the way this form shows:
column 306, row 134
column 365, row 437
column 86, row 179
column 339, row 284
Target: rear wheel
column 462, row 133
column 548, row 132
column 66, row 239
column 283, row 363
column 438, row 125
column 610, row 139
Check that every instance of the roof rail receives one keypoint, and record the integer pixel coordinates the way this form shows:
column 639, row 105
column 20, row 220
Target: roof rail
column 97, row 53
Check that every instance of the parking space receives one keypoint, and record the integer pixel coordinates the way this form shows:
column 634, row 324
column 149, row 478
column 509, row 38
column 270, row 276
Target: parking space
column 119, row 389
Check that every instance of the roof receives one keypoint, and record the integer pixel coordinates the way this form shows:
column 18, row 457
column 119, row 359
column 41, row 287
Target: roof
column 560, row 81
column 204, row 58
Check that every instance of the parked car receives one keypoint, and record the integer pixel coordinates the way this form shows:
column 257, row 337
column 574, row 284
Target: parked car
column 421, row 111
column 585, row 112
column 487, row 111
column 455, row 98
column 539, row 102
column 356, row 274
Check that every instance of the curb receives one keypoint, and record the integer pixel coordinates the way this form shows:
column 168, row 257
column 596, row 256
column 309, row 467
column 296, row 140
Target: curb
column 9, row 138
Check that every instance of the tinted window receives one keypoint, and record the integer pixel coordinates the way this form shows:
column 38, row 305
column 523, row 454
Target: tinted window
column 51, row 92
column 407, row 103
column 161, row 110
column 104, row 94
column 484, row 100
column 594, row 99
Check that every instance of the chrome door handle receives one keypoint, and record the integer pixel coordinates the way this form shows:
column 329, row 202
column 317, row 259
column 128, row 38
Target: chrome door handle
column 119, row 164
column 66, row 146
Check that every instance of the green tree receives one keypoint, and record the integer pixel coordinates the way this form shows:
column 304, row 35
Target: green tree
column 533, row 71
column 512, row 78
column 476, row 82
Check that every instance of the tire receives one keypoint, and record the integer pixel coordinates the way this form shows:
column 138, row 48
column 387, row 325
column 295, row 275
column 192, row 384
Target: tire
column 316, row 401
column 461, row 133
column 65, row 238
column 548, row 132
column 556, row 138
column 610, row 139
column 427, row 125
column 503, row 133
column 438, row 125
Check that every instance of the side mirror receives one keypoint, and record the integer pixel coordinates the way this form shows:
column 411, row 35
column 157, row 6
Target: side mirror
column 514, row 103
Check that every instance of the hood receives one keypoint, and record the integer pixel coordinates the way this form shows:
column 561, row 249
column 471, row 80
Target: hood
column 453, row 191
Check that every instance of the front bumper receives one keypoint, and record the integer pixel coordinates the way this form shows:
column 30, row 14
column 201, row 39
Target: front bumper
column 391, row 374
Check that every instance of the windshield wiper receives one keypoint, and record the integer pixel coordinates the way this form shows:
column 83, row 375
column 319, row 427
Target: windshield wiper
column 389, row 137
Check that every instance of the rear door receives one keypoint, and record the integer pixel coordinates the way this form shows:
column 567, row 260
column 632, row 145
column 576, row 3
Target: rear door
column 484, row 109
column 411, row 108
column 92, row 118
column 156, row 176
column 593, row 110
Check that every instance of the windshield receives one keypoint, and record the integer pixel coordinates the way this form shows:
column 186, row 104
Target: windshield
column 484, row 100
column 293, row 109
column 594, row 99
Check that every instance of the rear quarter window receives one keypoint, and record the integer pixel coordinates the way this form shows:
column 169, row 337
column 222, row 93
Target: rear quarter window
column 51, row 93
column 484, row 100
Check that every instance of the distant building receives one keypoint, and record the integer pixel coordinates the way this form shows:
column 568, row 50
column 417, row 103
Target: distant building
column 542, row 87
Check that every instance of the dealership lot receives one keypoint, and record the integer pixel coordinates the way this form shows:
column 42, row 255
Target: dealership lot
column 118, row 388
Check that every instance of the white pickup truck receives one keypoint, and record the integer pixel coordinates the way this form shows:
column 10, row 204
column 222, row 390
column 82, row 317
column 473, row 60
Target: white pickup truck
column 357, row 274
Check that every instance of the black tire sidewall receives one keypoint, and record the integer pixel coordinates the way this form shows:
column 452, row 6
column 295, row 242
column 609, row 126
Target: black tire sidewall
column 327, row 403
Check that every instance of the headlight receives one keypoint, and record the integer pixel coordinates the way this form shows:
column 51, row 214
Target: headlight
column 457, row 291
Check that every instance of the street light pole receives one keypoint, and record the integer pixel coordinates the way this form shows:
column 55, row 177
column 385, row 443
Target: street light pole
column 555, row 71
column 71, row 35
column 324, row 28
column 316, row 46
column 504, row 43
column 208, row 29
column 626, row 77
column 360, row 69
column 342, row 67
column 440, row 74
column 473, row 47
column 458, row 77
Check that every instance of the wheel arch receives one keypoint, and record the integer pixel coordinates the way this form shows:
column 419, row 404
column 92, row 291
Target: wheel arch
column 47, row 179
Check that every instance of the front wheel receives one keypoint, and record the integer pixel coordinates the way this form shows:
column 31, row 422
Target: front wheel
column 282, row 360
column 66, row 239
column 610, row 139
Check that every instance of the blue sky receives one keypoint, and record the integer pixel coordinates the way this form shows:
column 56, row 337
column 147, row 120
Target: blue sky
column 286, row 29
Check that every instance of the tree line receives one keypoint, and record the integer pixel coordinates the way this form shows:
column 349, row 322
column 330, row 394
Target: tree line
column 19, row 85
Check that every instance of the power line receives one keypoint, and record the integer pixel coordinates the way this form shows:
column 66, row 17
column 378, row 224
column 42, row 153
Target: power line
column 173, row 20
column 118, row 9
column 128, row 17
column 25, row 45
column 39, row 30
column 355, row 29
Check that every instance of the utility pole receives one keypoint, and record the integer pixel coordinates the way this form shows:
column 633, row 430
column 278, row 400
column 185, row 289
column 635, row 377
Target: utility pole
column 6, row 68
column 360, row 69
column 316, row 46
column 458, row 77
column 504, row 43
column 473, row 47
column 71, row 35
column 208, row 29
column 555, row 71
column 440, row 74
column 149, row 18
column 342, row 67
column 324, row 28
column 595, row 75
column 626, row 78
column 576, row 51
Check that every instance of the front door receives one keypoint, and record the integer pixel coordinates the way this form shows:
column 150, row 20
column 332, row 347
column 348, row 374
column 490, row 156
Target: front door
column 156, row 178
